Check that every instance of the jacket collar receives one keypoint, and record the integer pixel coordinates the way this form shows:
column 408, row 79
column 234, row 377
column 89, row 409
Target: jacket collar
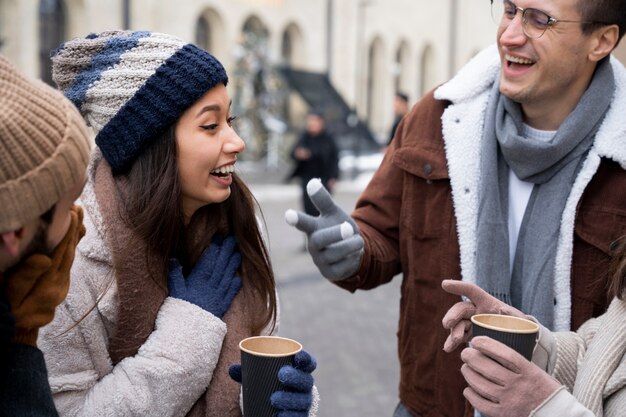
column 479, row 74
column 94, row 244
column 462, row 125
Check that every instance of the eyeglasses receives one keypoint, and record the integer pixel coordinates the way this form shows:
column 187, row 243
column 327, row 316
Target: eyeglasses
column 535, row 22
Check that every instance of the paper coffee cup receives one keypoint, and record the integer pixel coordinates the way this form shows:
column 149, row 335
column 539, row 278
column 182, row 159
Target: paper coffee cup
column 515, row 332
column 261, row 359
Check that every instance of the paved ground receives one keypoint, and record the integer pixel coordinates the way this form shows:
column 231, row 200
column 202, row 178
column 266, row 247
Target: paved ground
column 352, row 336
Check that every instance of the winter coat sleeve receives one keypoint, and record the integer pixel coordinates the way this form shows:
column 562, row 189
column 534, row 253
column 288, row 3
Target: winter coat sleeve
column 566, row 358
column 24, row 388
column 378, row 215
column 561, row 403
column 559, row 354
column 570, row 348
column 166, row 376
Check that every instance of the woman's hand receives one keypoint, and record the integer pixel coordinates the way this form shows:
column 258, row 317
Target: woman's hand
column 502, row 383
column 297, row 397
column 213, row 283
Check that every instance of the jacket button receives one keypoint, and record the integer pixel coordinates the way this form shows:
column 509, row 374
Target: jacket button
column 428, row 169
column 613, row 246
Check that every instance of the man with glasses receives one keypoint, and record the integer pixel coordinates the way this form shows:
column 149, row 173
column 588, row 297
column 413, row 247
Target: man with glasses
column 511, row 175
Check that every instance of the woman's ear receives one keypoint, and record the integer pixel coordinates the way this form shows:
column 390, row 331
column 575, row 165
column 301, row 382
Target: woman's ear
column 605, row 40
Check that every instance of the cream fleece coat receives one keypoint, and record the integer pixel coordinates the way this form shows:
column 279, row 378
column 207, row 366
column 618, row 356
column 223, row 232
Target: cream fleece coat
column 184, row 346
column 171, row 370
column 591, row 364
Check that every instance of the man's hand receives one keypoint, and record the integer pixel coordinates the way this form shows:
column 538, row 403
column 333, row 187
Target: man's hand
column 40, row 283
column 457, row 319
column 333, row 237
column 302, row 154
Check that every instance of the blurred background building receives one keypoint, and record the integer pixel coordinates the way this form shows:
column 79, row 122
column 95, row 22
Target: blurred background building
column 342, row 57
column 345, row 57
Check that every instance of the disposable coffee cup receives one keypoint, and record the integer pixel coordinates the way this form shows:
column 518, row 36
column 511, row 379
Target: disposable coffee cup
column 515, row 332
column 261, row 359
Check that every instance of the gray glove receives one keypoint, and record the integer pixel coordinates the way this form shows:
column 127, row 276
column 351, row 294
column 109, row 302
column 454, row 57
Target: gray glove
column 333, row 238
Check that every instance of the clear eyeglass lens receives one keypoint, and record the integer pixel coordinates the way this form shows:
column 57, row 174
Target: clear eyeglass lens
column 535, row 22
column 497, row 11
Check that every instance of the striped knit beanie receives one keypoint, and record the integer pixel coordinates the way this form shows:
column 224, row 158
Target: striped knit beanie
column 131, row 86
column 44, row 148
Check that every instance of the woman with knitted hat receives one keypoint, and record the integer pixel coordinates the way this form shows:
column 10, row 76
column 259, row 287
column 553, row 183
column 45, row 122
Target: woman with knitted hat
column 173, row 271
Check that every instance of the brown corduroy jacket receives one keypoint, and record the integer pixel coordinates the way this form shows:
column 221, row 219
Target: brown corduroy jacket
column 416, row 219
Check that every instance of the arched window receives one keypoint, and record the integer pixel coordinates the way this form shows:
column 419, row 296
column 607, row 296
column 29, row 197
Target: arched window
column 427, row 78
column 401, row 68
column 254, row 26
column 210, row 33
column 286, row 49
column 292, row 46
column 52, row 23
column 203, row 34
column 376, row 84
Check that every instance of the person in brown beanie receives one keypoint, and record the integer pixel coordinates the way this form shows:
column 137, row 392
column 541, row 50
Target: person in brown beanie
column 44, row 151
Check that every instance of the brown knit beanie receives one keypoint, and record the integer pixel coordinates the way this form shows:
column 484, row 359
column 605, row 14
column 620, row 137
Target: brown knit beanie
column 44, row 147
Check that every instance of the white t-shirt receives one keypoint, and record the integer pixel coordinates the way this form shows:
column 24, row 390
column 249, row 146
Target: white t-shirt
column 519, row 192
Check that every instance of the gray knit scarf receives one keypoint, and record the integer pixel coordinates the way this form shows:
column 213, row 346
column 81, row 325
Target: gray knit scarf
column 552, row 168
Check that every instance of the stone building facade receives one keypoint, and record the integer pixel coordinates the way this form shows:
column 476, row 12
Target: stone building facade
column 369, row 48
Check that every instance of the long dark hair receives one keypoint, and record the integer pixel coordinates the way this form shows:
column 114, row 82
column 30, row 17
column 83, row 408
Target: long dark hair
column 153, row 209
column 617, row 284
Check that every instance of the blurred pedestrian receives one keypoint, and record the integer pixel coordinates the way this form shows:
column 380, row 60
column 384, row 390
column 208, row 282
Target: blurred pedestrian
column 400, row 108
column 577, row 374
column 44, row 153
column 316, row 156
column 508, row 176
column 173, row 272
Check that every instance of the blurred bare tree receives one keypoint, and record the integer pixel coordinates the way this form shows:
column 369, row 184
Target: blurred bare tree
column 259, row 95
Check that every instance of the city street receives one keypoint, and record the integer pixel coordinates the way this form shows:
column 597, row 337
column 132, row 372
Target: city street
column 352, row 336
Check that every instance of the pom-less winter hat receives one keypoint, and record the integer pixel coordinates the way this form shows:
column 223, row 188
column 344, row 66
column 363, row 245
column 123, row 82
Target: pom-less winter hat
column 130, row 86
column 44, row 147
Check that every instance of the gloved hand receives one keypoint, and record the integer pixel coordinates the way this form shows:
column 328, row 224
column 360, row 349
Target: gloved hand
column 296, row 399
column 40, row 283
column 457, row 319
column 502, row 383
column 333, row 237
column 213, row 283
column 7, row 325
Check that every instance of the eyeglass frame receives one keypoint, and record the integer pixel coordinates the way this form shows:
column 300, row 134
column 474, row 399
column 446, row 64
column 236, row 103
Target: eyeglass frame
column 551, row 20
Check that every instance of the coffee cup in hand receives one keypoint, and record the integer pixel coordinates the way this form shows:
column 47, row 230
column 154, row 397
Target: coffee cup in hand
column 515, row 332
column 261, row 359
